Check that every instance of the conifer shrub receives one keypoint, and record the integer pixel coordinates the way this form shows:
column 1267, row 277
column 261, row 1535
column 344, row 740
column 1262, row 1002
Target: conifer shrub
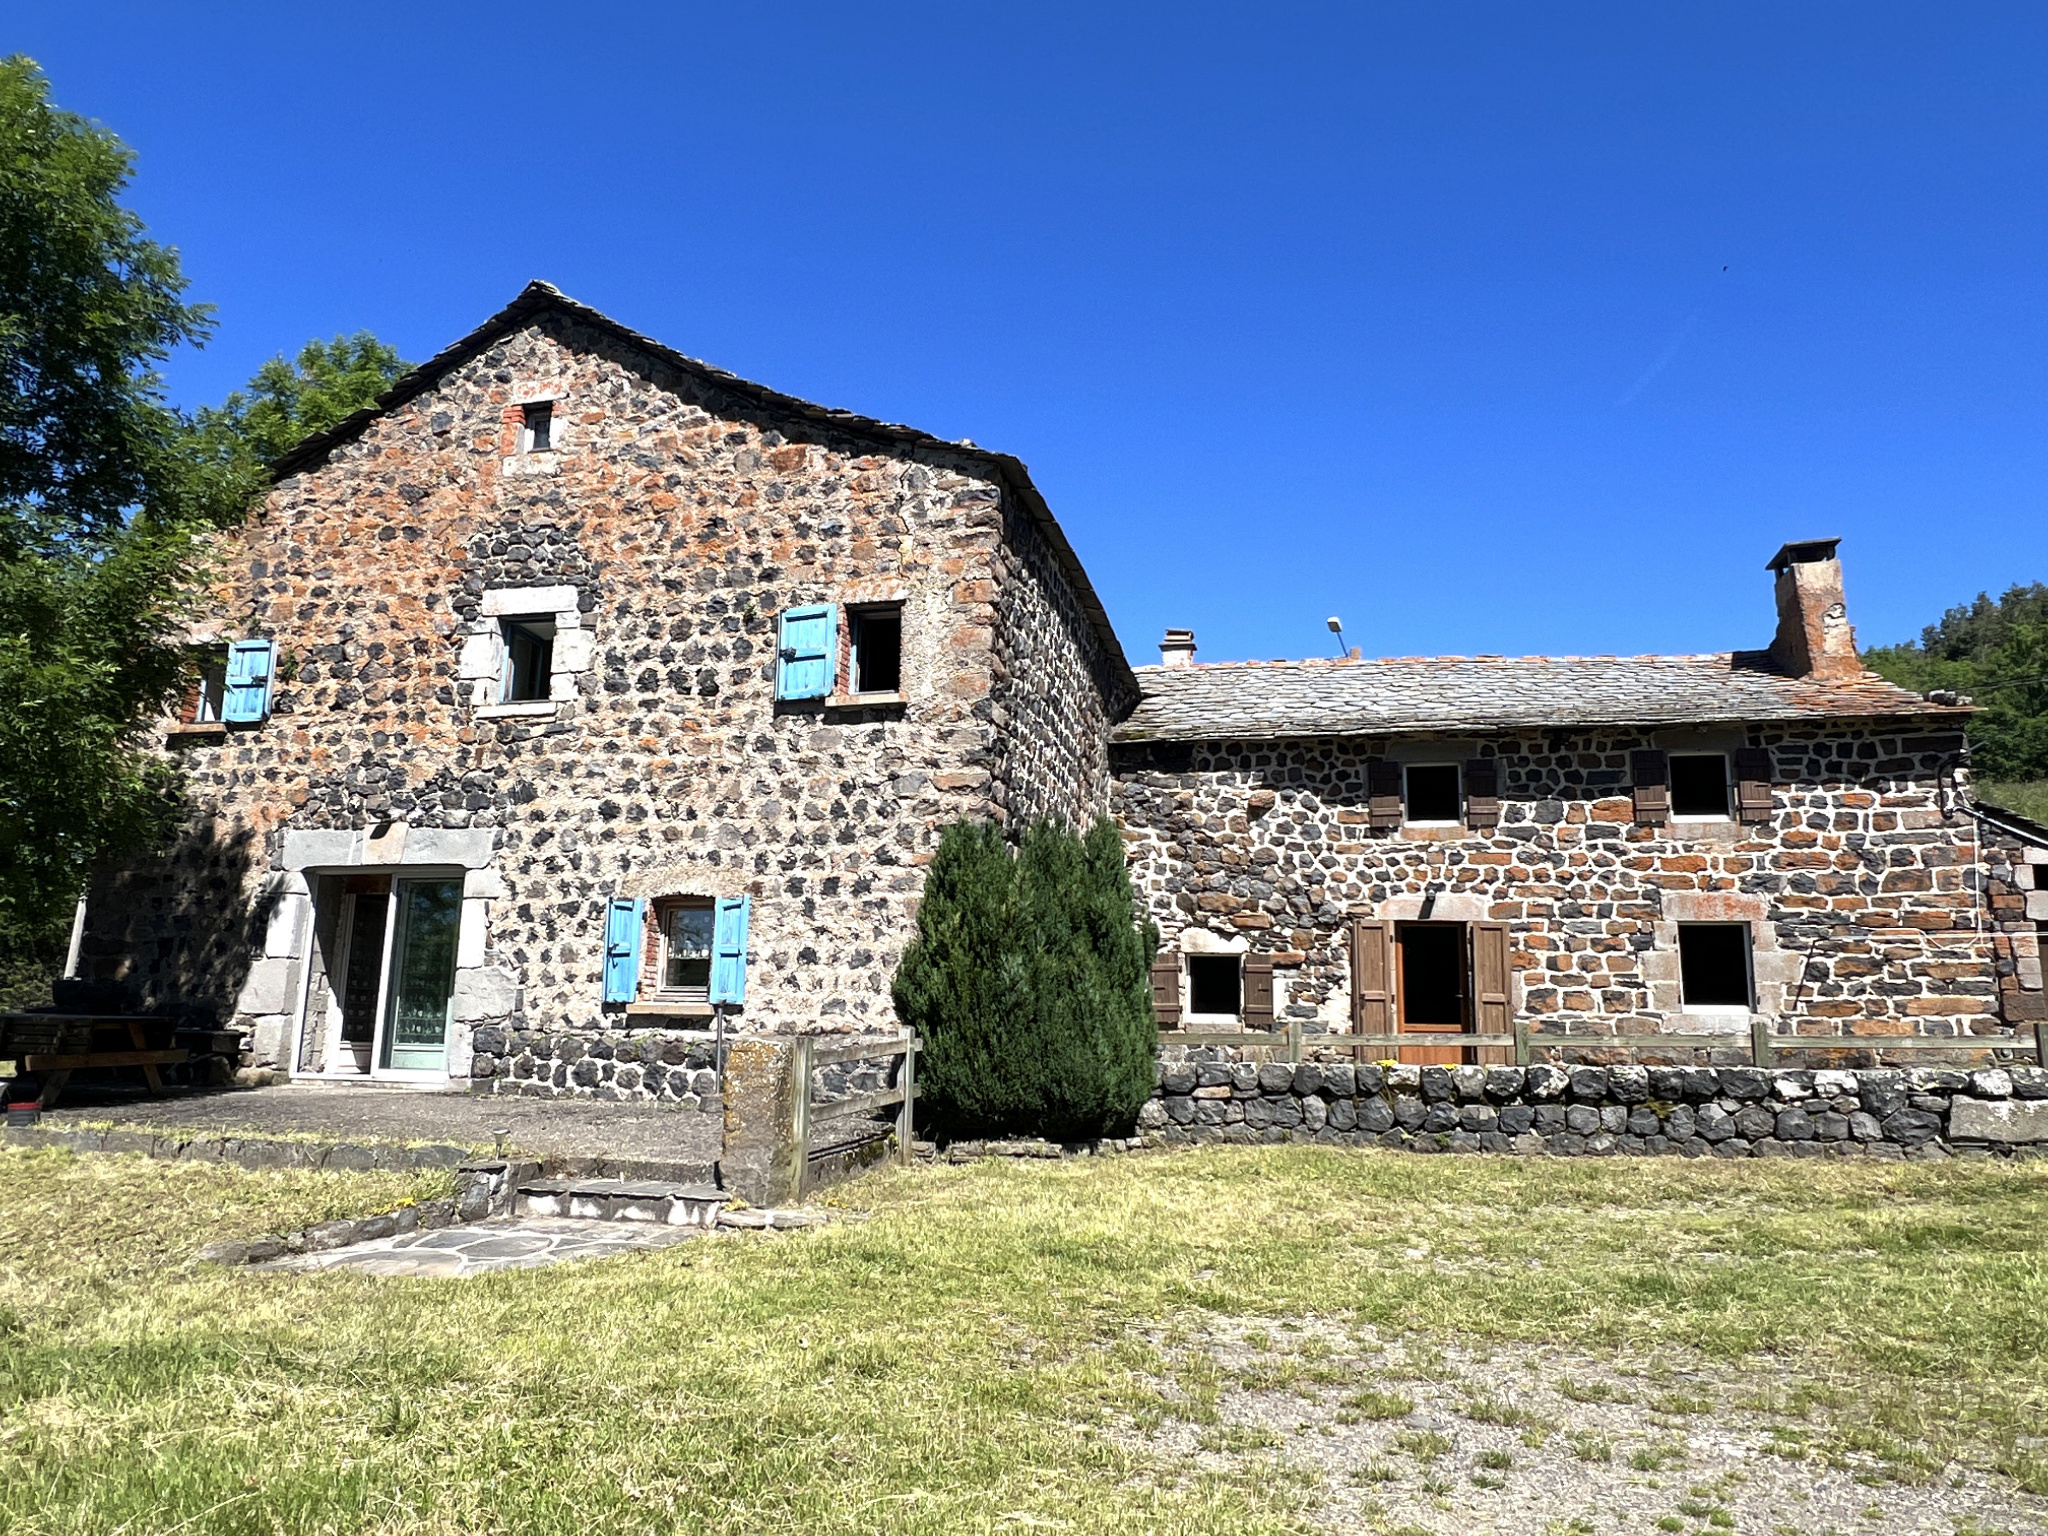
column 1028, row 982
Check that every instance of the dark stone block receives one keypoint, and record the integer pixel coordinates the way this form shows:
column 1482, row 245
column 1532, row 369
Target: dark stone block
column 1340, row 1079
column 1441, row 1117
column 1911, row 1127
column 1667, row 1084
column 1180, row 1109
column 1745, row 1082
column 1344, row 1114
column 1438, row 1086
column 1409, row 1111
column 1755, row 1122
column 1567, row 1144
column 1583, row 1119
column 1829, row 1126
column 1494, row 1141
column 1276, row 1077
column 1589, row 1084
column 1548, row 1119
column 1375, row 1116
column 1175, row 1077
column 1516, row 1118
column 1643, row 1121
column 1308, row 1079
column 1371, row 1079
column 1794, row 1124
column 1702, row 1084
column 1477, row 1117
column 1505, row 1083
column 1628, row 1085
column 1883, row 1093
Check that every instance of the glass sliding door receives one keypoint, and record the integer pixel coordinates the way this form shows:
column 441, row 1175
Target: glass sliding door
column 422, row 978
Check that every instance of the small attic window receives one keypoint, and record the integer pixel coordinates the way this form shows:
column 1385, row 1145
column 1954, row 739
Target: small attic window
column 536, row 430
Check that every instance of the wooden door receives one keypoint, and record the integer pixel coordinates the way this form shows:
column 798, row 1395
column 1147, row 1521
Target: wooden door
column 1433, row 990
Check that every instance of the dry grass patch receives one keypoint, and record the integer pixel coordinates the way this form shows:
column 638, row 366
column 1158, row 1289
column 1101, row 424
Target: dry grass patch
column 961, row 1362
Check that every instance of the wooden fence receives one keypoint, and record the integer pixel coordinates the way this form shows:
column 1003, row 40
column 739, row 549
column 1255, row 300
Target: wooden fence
column 811, row 1053
column 1764, row 1047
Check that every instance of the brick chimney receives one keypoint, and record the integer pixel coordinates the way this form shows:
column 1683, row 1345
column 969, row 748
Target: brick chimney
column 1178, row 648
column 1814, row 637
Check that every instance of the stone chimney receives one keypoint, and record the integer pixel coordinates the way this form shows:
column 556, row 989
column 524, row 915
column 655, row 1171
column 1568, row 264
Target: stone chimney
column 1178, row 648
column 1814, row 637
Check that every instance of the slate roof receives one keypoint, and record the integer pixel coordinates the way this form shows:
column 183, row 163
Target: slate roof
column 1264, row 701
column 537, row 298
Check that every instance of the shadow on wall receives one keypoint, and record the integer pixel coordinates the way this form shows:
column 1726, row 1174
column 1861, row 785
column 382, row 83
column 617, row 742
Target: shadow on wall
column 175, row 933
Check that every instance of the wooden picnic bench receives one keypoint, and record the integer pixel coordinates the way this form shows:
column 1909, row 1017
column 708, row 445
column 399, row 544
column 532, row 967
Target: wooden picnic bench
column 54, row 1045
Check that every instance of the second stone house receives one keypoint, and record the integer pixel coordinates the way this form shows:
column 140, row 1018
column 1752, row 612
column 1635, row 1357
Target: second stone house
column 1671, row 857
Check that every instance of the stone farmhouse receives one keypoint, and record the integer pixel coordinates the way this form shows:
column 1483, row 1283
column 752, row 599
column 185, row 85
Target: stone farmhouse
column 582, row 699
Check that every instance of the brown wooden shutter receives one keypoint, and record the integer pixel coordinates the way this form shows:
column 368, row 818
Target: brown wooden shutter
column 1258, row 991
column 1166, row 989
column 1651, row 771
column 1383, row 793
column 1372, row 977
column 1753, row 784
column 1482, row 792
column 1493, row 1012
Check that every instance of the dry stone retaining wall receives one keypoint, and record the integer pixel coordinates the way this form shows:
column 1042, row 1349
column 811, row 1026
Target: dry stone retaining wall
column 1208, row 1094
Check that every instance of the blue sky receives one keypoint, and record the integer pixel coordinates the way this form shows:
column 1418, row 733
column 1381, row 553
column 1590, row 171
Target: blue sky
column 1487, row 328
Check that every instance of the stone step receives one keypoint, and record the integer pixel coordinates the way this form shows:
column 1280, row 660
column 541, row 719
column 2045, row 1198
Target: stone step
column 657, row 1201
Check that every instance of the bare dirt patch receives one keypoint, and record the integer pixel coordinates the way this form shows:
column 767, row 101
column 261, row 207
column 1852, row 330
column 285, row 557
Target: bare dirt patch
column 1407, row 1437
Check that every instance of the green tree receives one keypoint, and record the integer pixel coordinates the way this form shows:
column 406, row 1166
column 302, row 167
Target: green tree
column 105, row 500
column 1028, row 981
column 287, row 402
column 1996, row 652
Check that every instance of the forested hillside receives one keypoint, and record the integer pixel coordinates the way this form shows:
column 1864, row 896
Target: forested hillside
column 1996, row 652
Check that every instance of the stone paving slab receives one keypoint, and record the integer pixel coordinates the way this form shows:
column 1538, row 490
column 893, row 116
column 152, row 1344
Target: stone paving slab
column 506, row 1243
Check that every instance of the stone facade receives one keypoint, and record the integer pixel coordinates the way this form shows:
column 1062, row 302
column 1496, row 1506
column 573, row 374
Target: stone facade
column 1209, row 1094
column 1867, row 911
column 675, row 514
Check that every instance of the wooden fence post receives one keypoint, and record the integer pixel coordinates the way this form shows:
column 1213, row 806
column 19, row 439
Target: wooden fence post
column 800, row 1107
column 1760, row 1039
column 1521, row 1040
column 905, row 1120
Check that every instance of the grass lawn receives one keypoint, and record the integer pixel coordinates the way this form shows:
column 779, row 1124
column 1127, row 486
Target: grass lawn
column 970, row 1358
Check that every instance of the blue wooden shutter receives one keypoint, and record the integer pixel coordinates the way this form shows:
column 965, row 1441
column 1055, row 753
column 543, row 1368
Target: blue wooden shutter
column 622, row 949
column 248, row 681
column 729, row 950
column 807, row 651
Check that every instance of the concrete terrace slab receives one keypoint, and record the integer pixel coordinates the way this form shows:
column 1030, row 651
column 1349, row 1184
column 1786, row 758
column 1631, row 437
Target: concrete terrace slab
column 459, row 1252
column 571, row 1136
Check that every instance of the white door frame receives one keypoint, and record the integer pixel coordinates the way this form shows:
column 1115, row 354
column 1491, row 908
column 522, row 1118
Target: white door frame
column 376, row 1073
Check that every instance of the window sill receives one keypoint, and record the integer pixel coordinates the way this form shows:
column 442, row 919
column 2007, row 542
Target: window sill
column 661, row 1010
column 198, row 728
column 1212, row 1020
column 527, row 709
column 862, row 700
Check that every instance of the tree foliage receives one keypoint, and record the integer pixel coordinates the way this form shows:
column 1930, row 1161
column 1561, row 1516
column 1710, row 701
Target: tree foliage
column 104, row 501
column 1996, row 652
column 1028, row 981
column 287, row 402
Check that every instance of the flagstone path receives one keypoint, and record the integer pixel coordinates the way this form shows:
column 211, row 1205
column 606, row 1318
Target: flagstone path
column 526, row 1242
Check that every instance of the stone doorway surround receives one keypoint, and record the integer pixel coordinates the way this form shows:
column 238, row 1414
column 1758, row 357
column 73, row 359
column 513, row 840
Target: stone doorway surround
column 275, row 998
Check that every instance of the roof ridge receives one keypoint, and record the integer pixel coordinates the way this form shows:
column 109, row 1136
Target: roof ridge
column 539, row 295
